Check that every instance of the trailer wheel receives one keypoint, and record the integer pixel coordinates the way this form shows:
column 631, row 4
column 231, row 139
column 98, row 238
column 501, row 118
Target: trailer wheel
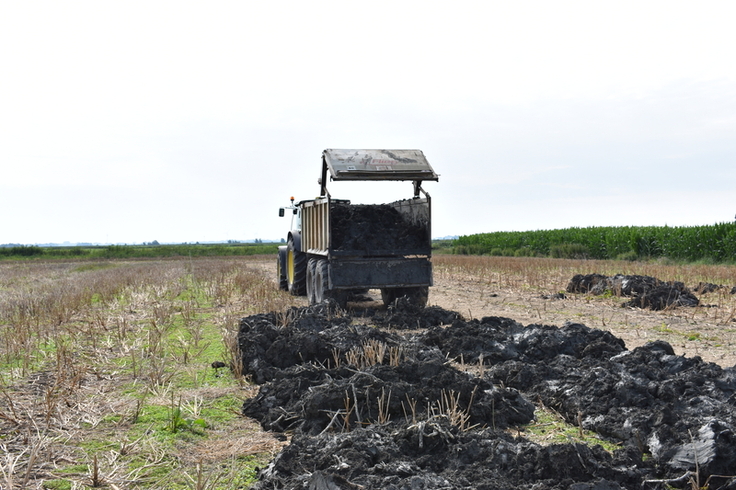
column 281, row 270
column 321, row 281
column 322, row 286
column 312, row 274
column 388, row 295
column 417, row 296
column 296, row 269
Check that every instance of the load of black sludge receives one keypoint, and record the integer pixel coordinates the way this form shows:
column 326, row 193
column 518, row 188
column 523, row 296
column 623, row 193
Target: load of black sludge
column 368, row 408
column 372, row 227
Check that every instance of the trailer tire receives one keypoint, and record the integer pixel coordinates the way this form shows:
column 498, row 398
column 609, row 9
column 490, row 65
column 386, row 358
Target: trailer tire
column 312, row 291
column 281, row 270
column 322, row 286
column 321, row 281
column 296, row 269
column 417, row 296
column 388, row 295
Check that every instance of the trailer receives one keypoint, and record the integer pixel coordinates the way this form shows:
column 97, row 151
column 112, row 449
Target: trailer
column 336, row 249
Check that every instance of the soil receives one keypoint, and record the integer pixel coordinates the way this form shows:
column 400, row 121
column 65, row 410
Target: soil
column 416, row 420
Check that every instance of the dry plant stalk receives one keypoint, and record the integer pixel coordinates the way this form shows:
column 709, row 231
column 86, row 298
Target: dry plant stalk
column 395, row 355
column 202, row 481
column 384, row 402
column 449, row 406
column 412, row 406
column 348, row 411
column 370, row 353
column 336, row 357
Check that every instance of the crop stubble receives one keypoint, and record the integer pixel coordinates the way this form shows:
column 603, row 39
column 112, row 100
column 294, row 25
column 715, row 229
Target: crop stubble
column 64, row 339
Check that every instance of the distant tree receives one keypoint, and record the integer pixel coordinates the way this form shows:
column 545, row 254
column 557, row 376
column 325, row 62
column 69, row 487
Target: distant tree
column 258, row 240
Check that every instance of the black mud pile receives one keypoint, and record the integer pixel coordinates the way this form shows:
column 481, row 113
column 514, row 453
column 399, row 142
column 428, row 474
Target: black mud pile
column 310, row 399
column 502, row 339
column 270, row 343
column 644, row 291
column 375, row 227
column 433, row 454
column 708, row 287
column 404, row 315
column 416, row 421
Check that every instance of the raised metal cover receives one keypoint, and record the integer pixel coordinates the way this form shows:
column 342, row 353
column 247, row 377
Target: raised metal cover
column 378, row 165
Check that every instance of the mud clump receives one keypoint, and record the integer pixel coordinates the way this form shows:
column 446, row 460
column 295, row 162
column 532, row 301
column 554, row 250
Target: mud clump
column 708, row 287
column 663, row 297
column 372, row 409
column 646, row 291
column 674, row 408
column 309, row 335
column 589, row 283
column 310, row 399
column 374, row 227
column 499, row 339
column 434, row 454
column 403, row 314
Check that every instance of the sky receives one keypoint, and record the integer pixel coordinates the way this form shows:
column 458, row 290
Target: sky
column 193, row 121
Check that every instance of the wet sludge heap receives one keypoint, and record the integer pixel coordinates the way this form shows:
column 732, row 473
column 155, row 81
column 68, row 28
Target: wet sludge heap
column 370, row 407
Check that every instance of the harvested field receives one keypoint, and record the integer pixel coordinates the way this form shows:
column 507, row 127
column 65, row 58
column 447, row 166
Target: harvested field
column 107, row 377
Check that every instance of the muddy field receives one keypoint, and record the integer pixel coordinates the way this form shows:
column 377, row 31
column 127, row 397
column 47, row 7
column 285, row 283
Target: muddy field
column 383, row 398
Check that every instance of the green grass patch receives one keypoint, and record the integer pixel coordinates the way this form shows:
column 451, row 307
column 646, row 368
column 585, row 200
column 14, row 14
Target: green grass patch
column 95, row 266
column 59, row 484
column 550, row 427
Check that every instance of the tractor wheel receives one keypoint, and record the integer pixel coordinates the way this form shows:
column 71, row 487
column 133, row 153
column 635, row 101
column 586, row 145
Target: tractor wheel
column 281, row 270
column 296, row 269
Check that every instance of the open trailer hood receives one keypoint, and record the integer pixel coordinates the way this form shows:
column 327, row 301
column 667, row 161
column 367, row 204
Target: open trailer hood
column 378, row 165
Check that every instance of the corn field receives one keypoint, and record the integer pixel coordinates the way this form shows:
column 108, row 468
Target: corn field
column 714, row 243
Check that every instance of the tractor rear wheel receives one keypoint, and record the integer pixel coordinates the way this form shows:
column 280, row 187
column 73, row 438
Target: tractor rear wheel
column 281, row 270
column 296, row 269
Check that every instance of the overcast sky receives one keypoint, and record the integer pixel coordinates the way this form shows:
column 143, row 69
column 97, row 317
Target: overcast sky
column 133, row 121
